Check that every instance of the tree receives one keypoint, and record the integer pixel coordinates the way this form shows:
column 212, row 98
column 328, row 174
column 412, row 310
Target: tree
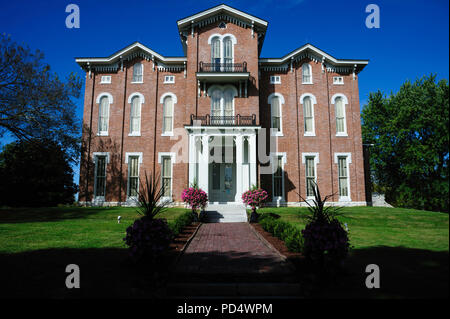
column 34, row 103
column 410, row 133
column 35, row 173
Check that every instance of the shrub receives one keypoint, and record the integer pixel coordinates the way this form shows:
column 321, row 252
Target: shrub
column 180, row 222
column 326, row 243
column 148, row 238
column 290, row 234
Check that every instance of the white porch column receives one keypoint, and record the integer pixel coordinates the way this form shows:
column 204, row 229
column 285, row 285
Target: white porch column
column 203, row 173
column 192, row 158
column 252, row 153
column 239, row 152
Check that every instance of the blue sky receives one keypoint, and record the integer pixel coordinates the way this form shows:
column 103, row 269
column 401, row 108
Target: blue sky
column 413, row 38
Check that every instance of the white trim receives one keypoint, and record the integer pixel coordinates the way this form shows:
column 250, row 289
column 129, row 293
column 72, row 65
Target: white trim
column 269, row 101
column 310, row 73
column 142, row 101
column 105, row 79
column 345, row 101
column 316, row 50
column 335, row 82
column 141, row 96
column 174, row 97
column 94, row 154
column 128, row 154
column 222, row 89
column 132, row 75
column 348, row 157
column 314, row 102
column 172, row 162
column 222, row 7
column 168, row 77
column 275, row 79
column 316, row 161
column 221, row 49
column 110, row 97
column 221, row 37
column 278, row 199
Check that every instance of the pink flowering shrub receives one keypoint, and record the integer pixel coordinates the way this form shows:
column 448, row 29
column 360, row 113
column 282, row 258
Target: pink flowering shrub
column 255, row 197
column 195, row 197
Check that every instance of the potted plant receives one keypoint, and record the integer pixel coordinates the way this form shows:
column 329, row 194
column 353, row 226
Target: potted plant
column 254, row 197
column 196, row 198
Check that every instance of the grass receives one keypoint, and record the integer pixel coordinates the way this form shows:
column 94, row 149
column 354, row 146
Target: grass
column 383, row 226
column 27, row 229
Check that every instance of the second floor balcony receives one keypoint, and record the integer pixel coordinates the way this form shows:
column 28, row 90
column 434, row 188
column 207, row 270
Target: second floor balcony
column 223, row 120
column 222, row 72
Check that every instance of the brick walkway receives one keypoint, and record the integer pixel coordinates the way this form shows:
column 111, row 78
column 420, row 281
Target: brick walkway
column 230, row 248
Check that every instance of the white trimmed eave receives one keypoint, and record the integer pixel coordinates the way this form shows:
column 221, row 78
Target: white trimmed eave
column 329, row 58
column 116, row 56
column 186, row 22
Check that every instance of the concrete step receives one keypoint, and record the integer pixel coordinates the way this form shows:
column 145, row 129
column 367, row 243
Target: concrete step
column 251, row 289
column 226, row 213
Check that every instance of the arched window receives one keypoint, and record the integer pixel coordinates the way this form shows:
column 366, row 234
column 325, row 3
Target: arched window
column 222, row 104
column 228, row 53
column 137, row 73
column 135, row 116
column 341, row 128
column 168, row 115
column 306, row 72
column 215, row 52
column 276, row 100
column 103, row 116
column 308, row 113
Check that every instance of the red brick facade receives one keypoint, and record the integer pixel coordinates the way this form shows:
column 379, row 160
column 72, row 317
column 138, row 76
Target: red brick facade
column 192, row 99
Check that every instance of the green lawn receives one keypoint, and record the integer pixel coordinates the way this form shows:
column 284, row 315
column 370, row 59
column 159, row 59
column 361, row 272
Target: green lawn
column 382, row 226
column 27, row 229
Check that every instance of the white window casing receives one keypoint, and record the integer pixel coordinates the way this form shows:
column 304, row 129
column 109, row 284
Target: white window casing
column 275, row 79
column 169, row 79
column 135, row 100
column 222, row 50
column 307, row 74
column 310, row 159
column 308, row 101
column 338, row 80
column 105, row 79
column 340, row 102
column 276, row 101
column 104, row 101
column 138, row 73
column 277, row 162
column 167, row 160
column 168, row 101
column 101, row 160
column 343, row 161
column 134, row 160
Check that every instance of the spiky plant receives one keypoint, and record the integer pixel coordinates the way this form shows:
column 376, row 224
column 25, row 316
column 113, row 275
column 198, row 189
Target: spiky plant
column 150, row 196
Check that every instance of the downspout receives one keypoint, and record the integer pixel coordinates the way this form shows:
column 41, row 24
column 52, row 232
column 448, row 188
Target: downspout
column 123, row 132
column 196, row 83
column 90, row 137
column 156, row 121
column 329, row 130
column 298, row 138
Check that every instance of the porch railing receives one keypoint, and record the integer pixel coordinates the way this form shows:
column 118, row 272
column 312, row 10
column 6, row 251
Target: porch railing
column 223, row 67
column 236, row 120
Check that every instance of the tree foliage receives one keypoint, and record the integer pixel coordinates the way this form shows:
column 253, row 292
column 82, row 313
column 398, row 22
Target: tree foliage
column 34, row 102
column 410, row 133
column 35, row 173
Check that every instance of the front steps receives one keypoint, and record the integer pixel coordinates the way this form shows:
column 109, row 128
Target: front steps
column 226, row 213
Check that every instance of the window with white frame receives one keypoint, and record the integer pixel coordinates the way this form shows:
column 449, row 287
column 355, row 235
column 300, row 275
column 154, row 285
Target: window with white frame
column 278, row 177
column 276, row 102
column 215, row 52
column 308, row 114
column 166, row 176
column 343, row 177
column 168, row 115
column 222, row 104
column 227, row 52
column 275, row 79
column 306, row 73
column 103, row 115
column 133, row 175
column 338, row 80
column 169, row 79
column 135, row 116
column 310, row 166
column 100, row 176
column 341, row 127
column 222, row 52
column 138, row 71
column 105, row 79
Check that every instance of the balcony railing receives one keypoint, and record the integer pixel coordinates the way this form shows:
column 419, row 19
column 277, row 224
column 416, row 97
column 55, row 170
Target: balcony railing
column 236, row 120
column 223, row 67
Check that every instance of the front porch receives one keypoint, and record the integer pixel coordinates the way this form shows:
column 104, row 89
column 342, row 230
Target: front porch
column 222, row 161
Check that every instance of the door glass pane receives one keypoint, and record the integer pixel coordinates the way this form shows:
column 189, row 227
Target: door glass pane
column 216, row 176
column 228, row 178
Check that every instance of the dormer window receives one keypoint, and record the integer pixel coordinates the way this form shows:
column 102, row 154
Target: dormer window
column 138, row 69
column 275, row 79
